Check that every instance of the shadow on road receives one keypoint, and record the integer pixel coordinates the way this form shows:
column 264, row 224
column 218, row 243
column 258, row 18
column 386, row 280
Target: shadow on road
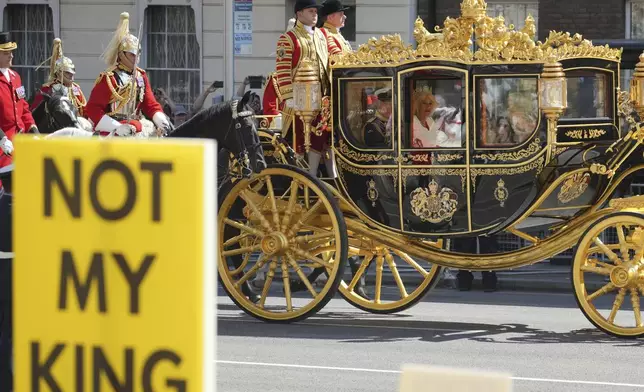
column 356, row 327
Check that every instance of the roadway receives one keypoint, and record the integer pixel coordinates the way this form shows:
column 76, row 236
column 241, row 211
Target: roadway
column 542, row 339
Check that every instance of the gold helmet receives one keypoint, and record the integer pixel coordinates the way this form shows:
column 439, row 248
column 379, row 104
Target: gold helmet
column 122, row 41
column 59, row 63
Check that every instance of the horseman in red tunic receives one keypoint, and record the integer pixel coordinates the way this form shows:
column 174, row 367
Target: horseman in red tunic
column 122, row 97
column 61, row 74
column 15, row 116
column 305, row 43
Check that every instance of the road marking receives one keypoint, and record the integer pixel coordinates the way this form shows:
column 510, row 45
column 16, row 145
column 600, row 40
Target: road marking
column 343, row 325
column 363, row 370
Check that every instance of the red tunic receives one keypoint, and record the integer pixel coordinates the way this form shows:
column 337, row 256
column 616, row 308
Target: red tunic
column 101, row 97
column 15, row 116
column 78, row 101
column 333, row 39
column 271, row 99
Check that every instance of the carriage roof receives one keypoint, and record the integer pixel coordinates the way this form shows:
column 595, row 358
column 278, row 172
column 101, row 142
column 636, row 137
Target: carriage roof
column 493, row 41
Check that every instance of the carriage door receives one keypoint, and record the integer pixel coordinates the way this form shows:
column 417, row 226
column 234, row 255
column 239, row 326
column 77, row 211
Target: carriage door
column 509, row 145
column 433, row 126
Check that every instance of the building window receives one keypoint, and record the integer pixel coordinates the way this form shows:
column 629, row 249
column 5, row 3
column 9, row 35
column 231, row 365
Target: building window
column 349, row 29
column 635, row 19
column 32, row 27
column 172, row 53
column 514, row 12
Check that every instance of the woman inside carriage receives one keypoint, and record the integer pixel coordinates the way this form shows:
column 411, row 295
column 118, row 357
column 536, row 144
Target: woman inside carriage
column 434, row 124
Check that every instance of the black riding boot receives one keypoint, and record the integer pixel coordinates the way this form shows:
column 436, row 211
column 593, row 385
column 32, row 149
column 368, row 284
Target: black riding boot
column 354, row 263
column 248, row 291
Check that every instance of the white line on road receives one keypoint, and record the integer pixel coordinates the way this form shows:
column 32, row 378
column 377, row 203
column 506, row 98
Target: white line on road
column 348, row 369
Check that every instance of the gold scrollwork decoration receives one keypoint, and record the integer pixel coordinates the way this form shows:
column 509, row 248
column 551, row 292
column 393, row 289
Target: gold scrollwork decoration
column 537, row 165
column 582, row 134
column 368, row 172
column 448, row 157
column 501, row 192
column 437, row 172
column 496, row 42
column 573, row 187
column 560, row 150
column 372, row 192
column 432, row 205
column 362, row 157
column 532, row 149
column 636, row 202
column 625, row 106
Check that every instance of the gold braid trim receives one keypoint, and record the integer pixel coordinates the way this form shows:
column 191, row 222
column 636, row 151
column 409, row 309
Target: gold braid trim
column 116, row 96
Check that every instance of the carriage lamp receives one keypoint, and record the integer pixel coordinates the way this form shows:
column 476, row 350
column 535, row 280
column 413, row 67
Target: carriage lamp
column 553, row 94
column 307, row 97
column 637, row 88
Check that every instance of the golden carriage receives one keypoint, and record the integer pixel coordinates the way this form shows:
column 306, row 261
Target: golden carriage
column 489, row 132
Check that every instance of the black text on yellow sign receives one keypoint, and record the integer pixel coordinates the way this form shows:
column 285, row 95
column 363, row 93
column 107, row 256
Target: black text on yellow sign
column 114, row 268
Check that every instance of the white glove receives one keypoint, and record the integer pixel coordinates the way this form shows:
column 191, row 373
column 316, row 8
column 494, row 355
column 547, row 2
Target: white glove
column 6, row 146
column 125, row 130
column 161, row 121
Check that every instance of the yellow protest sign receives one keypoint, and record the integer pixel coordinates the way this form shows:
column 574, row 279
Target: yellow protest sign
column 114, row 269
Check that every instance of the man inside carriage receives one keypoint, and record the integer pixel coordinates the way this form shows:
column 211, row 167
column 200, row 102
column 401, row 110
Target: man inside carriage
column 122, row 97
column 61, row 81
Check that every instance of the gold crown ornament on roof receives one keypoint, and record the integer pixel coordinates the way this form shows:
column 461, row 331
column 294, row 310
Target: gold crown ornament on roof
column 122, row 41
column 424, row 89
column 473, row 8
column 474, row 38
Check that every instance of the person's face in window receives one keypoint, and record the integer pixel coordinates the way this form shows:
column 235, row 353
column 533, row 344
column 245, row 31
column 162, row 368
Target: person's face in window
column 504, row 129
column 426, row 105
column 385, row 108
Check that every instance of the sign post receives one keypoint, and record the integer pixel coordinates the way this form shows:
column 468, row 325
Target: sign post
column 115, row 263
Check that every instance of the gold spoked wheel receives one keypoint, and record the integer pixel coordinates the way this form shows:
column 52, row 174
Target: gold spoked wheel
column 274, row 223
column 610, row 255
column 386, row 264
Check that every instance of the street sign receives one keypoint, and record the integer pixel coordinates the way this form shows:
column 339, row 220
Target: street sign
column 421, row 378
column 243, row 27
column 114, row 269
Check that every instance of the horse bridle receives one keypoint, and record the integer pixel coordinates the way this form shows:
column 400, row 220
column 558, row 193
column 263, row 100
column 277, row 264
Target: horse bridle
column 242, row 157
column 51, row 119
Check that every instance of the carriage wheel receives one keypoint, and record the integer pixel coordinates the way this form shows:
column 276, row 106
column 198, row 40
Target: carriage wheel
column 611, row 252
column 275, row 222
column 387, row 265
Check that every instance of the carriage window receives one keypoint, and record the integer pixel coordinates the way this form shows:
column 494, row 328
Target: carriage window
column 433, row 111
column 588, row 94
column 366, row 112
column 508, row 111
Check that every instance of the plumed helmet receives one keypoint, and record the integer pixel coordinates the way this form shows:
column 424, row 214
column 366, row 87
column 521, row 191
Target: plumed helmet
column 122, row 41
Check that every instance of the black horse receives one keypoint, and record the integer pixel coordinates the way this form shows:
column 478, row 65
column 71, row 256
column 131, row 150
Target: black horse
column 233, row 125
column 56, row 112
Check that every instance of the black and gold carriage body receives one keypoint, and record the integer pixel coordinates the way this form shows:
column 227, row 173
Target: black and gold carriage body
column 478, row 184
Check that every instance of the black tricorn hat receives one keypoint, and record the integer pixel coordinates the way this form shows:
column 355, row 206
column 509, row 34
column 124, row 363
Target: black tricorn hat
column 304, row 4
column 6, row 44
column 331, row 6
column 384, row 94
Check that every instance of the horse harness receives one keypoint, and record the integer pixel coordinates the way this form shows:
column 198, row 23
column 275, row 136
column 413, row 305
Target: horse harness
column 242, row 157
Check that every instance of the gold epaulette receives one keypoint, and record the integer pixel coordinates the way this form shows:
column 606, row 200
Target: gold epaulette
column 108, row 72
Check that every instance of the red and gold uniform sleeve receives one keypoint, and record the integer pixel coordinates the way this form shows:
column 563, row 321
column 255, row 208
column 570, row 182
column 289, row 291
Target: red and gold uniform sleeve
column 99, row 99
column 39, row 97
column 284, row 66
column 149, row 106
column 271, row 98
column 82, row 101
column 332, row 45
